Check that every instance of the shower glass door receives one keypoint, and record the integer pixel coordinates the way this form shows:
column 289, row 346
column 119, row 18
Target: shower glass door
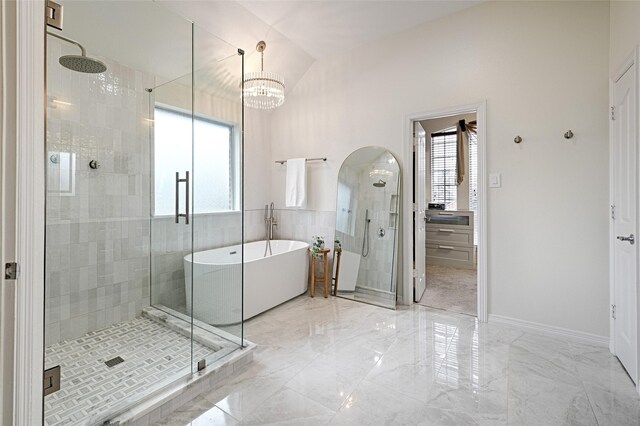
column 171, row 222
column 144, row 222
column 102, row 245
column 216, row 270
column 196, row 226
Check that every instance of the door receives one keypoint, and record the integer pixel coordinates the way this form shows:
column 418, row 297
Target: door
column 625, row 178
column 419, row 222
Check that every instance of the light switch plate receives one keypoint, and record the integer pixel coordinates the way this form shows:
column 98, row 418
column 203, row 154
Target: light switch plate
column 495, row 180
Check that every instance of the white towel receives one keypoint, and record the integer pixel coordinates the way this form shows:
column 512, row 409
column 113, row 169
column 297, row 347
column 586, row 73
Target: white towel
column 296, row 186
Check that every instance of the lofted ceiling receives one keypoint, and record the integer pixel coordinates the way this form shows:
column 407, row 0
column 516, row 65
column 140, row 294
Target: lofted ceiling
column 324, row 28
column 299, row 32
column 150, row 38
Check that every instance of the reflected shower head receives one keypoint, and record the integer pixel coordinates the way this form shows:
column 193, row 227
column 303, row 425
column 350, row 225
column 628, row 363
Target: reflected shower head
column 82, row 63
column 380, row 184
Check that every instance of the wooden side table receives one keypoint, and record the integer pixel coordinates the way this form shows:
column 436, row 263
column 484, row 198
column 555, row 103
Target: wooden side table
column 325, row 278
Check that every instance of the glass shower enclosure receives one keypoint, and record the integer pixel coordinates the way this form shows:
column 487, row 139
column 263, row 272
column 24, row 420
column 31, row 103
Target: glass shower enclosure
column 144, row 168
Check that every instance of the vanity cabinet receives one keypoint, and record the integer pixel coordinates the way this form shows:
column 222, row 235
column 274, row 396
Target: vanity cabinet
column 449, row 238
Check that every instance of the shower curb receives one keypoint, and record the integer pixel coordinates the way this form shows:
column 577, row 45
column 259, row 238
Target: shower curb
column 166, row 401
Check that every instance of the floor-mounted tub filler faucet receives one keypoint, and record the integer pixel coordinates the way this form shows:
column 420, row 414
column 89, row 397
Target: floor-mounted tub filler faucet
column 269, row 223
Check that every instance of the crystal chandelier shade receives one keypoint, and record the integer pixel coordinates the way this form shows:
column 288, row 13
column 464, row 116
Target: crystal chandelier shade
column 262, row 90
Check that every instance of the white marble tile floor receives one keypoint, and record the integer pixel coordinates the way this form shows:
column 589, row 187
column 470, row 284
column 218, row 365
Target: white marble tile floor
column 332, row 361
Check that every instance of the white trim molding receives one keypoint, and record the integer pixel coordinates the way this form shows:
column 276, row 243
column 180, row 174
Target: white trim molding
column 552, row 331
column 30, row 141
column 479, row 109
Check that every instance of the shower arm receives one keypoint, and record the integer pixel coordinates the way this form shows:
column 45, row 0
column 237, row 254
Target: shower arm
column 68, row 40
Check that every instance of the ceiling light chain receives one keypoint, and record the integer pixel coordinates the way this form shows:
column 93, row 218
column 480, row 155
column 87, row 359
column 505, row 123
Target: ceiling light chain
column 260, row 48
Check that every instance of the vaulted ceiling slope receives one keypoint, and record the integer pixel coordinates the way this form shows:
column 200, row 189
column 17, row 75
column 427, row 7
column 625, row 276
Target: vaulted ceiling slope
column 148, row 37
column 299, row 32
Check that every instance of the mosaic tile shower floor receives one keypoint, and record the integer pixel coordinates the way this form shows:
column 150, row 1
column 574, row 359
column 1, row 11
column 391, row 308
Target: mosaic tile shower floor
column 90, row 390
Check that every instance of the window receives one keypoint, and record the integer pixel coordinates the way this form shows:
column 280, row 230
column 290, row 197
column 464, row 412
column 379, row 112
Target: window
column 473, row 182
column 444, row 188
column 213, row 153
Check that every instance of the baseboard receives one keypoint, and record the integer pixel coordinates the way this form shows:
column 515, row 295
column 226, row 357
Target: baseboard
column 549, row 330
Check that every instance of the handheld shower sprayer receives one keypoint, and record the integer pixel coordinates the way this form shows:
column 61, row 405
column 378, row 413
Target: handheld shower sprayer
column 365, row 238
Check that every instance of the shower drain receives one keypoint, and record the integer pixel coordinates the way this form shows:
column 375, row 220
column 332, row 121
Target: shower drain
column 114, row 361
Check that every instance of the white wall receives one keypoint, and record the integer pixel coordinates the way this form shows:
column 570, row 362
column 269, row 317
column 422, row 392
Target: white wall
column 542, row 68
column 625, row 31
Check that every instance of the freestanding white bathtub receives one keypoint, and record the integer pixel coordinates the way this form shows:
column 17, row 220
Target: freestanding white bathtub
column 268, row 281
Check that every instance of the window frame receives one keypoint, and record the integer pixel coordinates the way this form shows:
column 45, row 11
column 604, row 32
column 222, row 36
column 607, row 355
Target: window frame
column 234, row 161
column 450, row 131
column 473, row 182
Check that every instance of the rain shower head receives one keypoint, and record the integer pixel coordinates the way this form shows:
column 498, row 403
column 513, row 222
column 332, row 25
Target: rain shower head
column 80, row 63
column 380, row 184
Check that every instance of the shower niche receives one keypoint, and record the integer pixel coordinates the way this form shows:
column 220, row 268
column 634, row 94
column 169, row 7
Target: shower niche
column 367, row 207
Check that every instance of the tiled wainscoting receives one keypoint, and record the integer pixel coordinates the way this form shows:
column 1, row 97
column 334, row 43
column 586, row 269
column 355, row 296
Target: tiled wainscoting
column 302, row 225
column 170, row 243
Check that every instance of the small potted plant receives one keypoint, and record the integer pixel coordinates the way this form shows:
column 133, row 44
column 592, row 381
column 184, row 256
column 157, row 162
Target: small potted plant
column 317, row 246
column 337, row 245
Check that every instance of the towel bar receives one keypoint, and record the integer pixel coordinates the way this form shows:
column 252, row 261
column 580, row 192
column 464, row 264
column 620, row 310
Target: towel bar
column 307, row 159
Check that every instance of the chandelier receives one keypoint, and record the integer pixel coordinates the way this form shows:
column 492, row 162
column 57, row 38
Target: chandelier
column 263, row 90
column 376, row 173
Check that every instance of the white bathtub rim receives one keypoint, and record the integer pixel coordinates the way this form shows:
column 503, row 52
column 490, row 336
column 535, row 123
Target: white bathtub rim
column 187, row 258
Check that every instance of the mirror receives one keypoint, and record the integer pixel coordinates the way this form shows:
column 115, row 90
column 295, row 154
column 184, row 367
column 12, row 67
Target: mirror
column 367, row 218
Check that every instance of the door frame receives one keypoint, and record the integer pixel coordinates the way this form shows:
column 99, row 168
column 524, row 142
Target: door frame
column 28, row 37
column 479, row 108
column 419, row 272
column 632, row 59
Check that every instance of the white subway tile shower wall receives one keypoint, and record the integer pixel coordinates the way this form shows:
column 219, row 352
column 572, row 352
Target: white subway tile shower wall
column 97, row 245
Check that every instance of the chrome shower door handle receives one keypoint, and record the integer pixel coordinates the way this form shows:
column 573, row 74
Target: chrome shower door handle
column 177, row 197
column 178, row 214
column 186, row 198
column 630, row 238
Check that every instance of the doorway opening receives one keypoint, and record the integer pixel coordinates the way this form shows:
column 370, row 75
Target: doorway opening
column 448, row 220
